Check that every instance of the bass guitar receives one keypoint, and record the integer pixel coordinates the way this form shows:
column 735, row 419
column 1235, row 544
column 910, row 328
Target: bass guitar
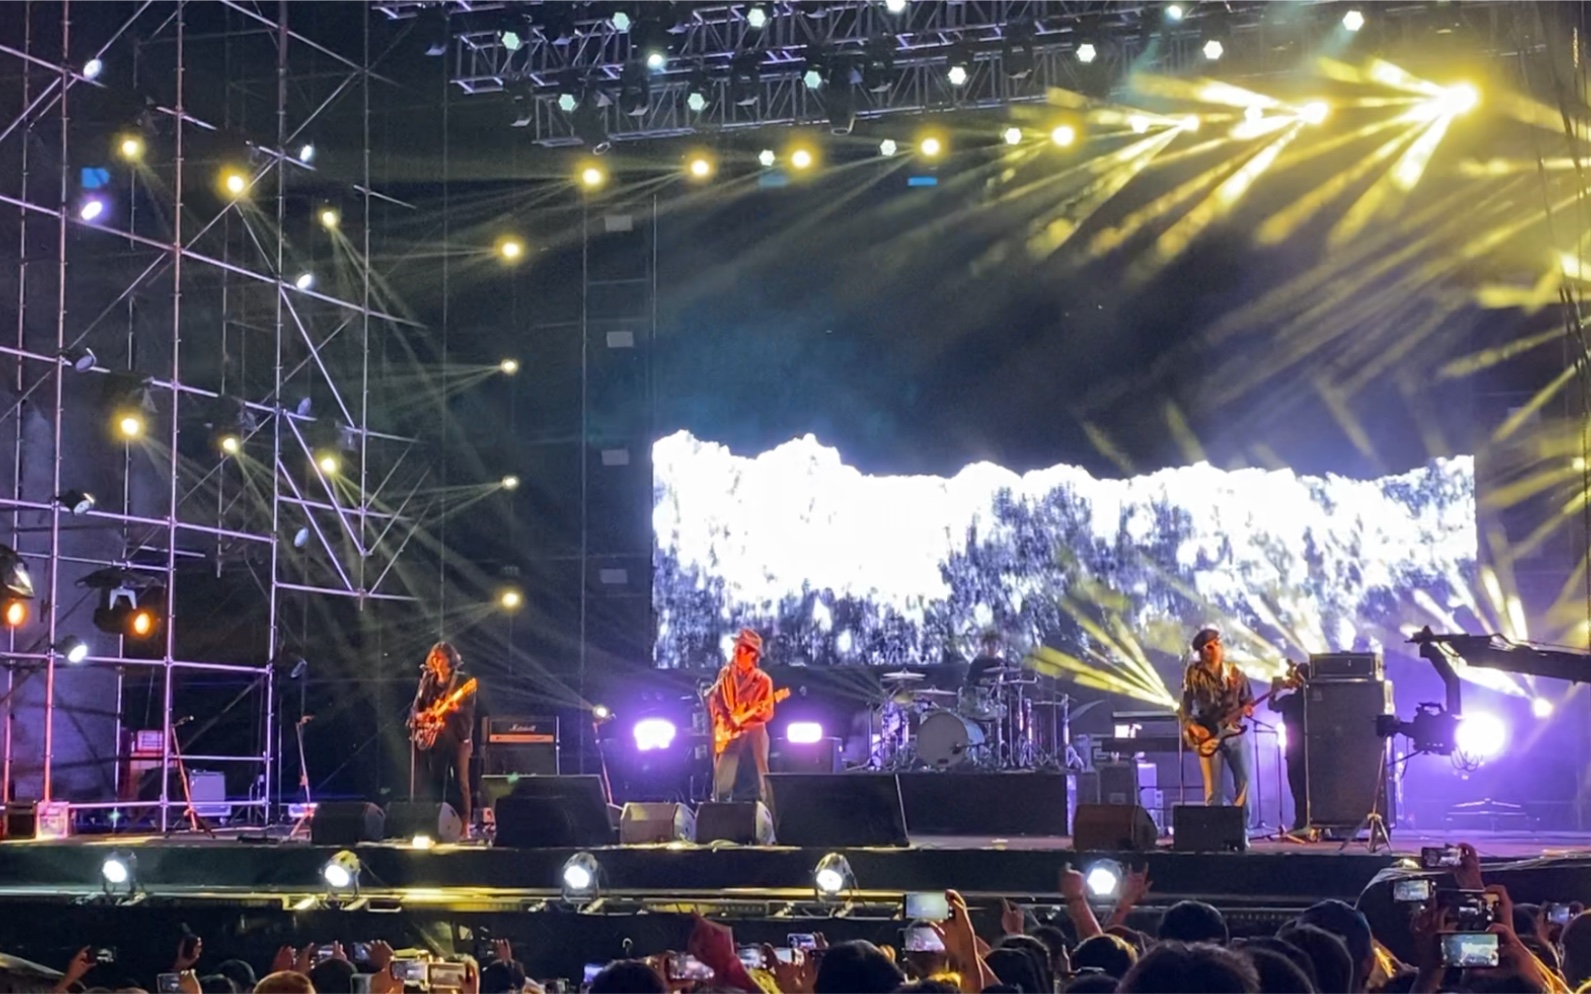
column 727, row 729
column 1205, row 735
column 426, row 725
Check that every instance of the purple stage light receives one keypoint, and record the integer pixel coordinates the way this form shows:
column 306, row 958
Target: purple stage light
column 1480, row 736
column 804, row 732
column 91, row 209
column 654, row 733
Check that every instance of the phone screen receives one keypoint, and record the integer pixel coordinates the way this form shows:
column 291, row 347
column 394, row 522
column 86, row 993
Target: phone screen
column 1559, row 914
column 410, row 971
column 1440, row 857
column 923, row 940
column 169, row 983
column 1411, row 891
column 750, row 957
column 323, row 953
column 688, row 967
column 801, row 940
column 1469, row 949
column 927, row 906
column 784, row 954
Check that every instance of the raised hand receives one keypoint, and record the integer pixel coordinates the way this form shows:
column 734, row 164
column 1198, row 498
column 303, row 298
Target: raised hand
column 380, row 957
column 502, row 950
column 80, row 965
column 188, row 952
column 1012, row 919
column 286, row 959
column 1468, row 872
column 795, row 977
column 1073, row 887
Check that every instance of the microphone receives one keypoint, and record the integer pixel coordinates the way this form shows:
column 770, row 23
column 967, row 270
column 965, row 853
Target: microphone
column 182, row 721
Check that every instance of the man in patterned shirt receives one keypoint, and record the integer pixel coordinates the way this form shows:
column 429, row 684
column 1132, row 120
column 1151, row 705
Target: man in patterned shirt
column 1216, row 697
column 741, row 704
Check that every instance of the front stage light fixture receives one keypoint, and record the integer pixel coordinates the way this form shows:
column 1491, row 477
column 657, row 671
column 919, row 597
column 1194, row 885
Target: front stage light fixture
column 1253, row 112
column 91, row 209
column 832, row 877
column 1103, row 880
column 1189, row 123
column 620, row 21
column 119, row 870
column 601, row 712
column 1480, row 736
column 342, row 871
column 72, row 649
column 580, row 878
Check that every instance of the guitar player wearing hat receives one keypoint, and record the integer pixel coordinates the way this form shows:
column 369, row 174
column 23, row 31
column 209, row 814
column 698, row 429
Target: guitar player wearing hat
column 741, row 704
column 440, row 724
column 1215, row 700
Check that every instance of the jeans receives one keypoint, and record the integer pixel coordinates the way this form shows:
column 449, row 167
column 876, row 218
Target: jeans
column 756, row 740
column 1232, row 753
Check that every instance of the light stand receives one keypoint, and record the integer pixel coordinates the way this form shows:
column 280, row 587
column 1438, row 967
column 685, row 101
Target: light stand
column 1375, row 823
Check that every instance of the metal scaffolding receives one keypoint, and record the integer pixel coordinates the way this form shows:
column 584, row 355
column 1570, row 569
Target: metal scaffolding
column 259, row 464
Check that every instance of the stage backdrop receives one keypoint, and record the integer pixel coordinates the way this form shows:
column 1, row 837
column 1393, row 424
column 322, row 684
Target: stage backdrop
column 838, row 567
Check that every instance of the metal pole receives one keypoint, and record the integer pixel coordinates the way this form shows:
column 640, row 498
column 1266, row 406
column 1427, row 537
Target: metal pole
column 274, row 649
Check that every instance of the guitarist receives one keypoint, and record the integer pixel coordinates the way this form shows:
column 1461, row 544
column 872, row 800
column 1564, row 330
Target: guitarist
column 445, row 759
column 741, row 704
column 1216, row 697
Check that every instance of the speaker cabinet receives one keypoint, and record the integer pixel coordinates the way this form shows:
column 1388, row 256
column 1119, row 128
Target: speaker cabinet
column 653, row 822
column 1112, row 828
column 435, row 819
column 744, row 823
column 1218, row 828
column 554, row 812
column 1343, row 755
column 346, row 823
column 840, row 809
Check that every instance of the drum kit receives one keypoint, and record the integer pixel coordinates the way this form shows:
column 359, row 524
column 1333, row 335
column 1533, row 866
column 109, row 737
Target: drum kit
column 999, row 724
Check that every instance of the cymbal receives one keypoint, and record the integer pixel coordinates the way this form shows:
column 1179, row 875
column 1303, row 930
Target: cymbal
column 906, row 675
column 931, row 692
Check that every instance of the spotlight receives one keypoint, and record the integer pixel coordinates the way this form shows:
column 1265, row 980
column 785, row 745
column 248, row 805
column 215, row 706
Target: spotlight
column 1103, row 880
column 653, row 734
column 511, row 249
column 1012, row 136
column 1086, row 52
column 696, row 102
column 1213, row 49
column 620, row 21
column 73, row 649
column 422, row 841
column 92, row 68
column 700, row 167
column 756, row 18
column 804, row 732
column 508, row 367
column 1480, row 736
column 1064, row 135
column 341, row 872
column 957, row 75
column 511, row 40
column 1541, row 707
column 812, row 79
column 1253, row 112
column 79, row 359
column 894, row 6
column 130, row 425
column 510, row 599
column 305, row 281
column 329, row 218
column 14, row 576
column 130, row 148
column 142, row 623
column 230, row 443
column 1314, row 112
column 766, row 158
column 1138, row 123
column 931, row 146
column 234, row 183
column 328, row 462
column 14, row 612
column 1189, row 123
column 91, row 209
column 579, row 878
column 567, row 102
column 832, row 876
column 306, row 153
column 119, row 870
column 509, row 482
column 76, row 501
column 887, row 147
column 801, row 159
column 601, row 712
column 592, row 177
column 1458, row 99
column 656, row 61
column 1353, row 20
column 1174, row 11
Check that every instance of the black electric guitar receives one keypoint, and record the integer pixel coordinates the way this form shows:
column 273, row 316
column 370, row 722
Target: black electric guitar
column 1205, row 735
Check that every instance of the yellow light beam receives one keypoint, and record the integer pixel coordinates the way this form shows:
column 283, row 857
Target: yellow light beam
column 1400, row 179
column 1279, row 226
column 1478, row 361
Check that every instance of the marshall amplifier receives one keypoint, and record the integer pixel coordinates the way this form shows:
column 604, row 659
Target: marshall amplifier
column 1331, row 666
column 519, row 745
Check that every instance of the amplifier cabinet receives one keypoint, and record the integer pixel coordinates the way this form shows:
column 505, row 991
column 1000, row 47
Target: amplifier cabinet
column 522, row 744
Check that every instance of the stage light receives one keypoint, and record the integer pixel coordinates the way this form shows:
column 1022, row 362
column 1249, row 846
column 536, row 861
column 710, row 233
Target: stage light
column 1480, row 736
column 510, row 599
column 511, row 249
column 14, row 575
column 1103, row 880
column 306, row 153
column 592, row 177
column 119, row 870
column 1138, row 123
column 1189, row 123
column 804, row 732
column 75, row 501
column 1458, row 99
column 1213, row 49
column 931, row 146
column 80, row 359
column 130, row 148
column 234, row 183
column 894, row 6
column 579, row 878
column 328, row 462
column 620, row 21
column 230, row 443
column 511, row 40
column 1353, row 20
column 1541, row 707
column 700, row 167
column 341, row 872
column 508, row 367
column 766, row 158
column 654, row 733
column 756, row 17
column 305, row 281
column 509, row 482
column 1086, row 52
column 1064, row 135
column 142, row 623
column 1253, row 112
column 567, row 102
column 696, row 102
column 1174, row 11
column 91, row 209
column 73, row 649
column 1012, row 136
column 601, row 712
column 14, row 613
column 801, row 159
column 422, row 841
column 130, row 425
column 957, row 75
column 812, row 79
column 887, row 147
column 832, row 877
column 330, row 218
column 656, row 61
column 92, row 68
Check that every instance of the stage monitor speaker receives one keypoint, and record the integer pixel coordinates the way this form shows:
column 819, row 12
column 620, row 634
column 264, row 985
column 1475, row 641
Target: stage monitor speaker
column 650, row 822
column 1343, row 755
column 746, row 823
column 1000, row 805
column 554, row 812
column 436, row 819
column 1112, row 828
column 1197, row 828
column 346, row 823
column 840, row 809
column 822, row 756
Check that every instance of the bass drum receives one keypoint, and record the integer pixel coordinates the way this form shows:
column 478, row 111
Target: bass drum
column 946, row 739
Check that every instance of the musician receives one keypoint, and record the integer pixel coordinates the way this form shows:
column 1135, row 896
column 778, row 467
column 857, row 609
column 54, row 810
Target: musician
column 1215, row 694
column 741, row 702
column 985, row 669
column 1287, row 700
column 445, row 764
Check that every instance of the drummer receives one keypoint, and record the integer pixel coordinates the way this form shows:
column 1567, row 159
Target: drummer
column 985, row 670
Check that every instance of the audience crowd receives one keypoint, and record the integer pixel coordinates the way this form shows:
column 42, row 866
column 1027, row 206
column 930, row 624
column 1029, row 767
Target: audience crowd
column 1330, row 948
